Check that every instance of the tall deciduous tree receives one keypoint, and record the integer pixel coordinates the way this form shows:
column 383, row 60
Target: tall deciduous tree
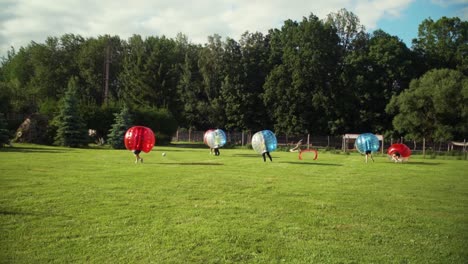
column 211, row 69
column 434, row 107
column 388, row 72
column 99, row 62
column 150, row 74
column 232, row 87
column 443, row 43
column 348, row 28
column 134, row 87
column 255, row 68
column 353, row 45
column 71, row 130
column 190, row 96
column 16, row 74
column 300, row 90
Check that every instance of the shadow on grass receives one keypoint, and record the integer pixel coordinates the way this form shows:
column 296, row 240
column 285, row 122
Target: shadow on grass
column 188, row 145
column 18, row 213
column 31, row 150
column 421, row 163
column 248, row 155
column 168, row 150
column 192, row 163
column 14, row 213
column 310, row 163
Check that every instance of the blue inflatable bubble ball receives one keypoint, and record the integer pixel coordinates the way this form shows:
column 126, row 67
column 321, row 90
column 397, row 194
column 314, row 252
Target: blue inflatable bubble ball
column 367, row 142
column 263, row 141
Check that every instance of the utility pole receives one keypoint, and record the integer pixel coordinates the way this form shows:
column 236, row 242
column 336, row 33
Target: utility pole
column 106, row 85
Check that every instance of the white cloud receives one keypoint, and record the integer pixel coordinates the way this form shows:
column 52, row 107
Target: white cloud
column 463, row 13
column 23, row 21
column 370, row 12
column 445, row 3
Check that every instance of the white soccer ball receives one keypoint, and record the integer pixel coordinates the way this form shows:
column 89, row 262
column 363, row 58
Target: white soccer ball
column 163, row 154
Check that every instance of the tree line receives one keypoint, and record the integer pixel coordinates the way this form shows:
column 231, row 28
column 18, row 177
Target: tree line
column 325, row 77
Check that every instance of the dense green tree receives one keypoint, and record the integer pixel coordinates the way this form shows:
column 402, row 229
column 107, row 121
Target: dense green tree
column 16, row 74
column 5, row 98
column 4, row 133
column 300, row 89
column 150, row 72
column 232, row 87
column 98, row 59
column 160, row 120
column 188, row 87
column 255, row 68
column 353, row 47
column 191, row 99
column 283, row 111
column 162, row 69
column 314, row 76
column 212, row 69
column 134, row 89
column 54, row 62
column 71, row 130
column 122, row 122
column 388, row 71
column 443, row 43
column 434, row 107
column 348, row 28
column 99, row 118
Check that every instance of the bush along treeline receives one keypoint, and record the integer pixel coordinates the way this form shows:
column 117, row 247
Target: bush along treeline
column 325, row 77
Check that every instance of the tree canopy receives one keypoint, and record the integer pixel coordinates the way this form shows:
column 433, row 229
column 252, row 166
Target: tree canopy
column 310, row 76
column 434, row 107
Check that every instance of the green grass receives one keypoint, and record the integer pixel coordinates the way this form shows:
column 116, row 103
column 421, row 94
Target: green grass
column 65, row 205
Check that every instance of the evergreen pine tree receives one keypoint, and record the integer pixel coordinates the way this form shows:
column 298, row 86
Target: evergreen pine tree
column 122, row 123
column 4, row 134
column 71, row 130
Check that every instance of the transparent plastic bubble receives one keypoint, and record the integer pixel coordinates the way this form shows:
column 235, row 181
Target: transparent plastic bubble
column 214, row 138
column 264, row 141
column 139, row 138
column 367, row 142
column 402, row 149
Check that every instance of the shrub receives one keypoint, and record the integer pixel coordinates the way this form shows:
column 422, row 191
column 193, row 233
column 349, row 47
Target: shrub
column 161, row 121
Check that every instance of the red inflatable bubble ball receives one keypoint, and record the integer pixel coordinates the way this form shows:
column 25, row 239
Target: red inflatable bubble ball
column 139, row 138
column 399, row 152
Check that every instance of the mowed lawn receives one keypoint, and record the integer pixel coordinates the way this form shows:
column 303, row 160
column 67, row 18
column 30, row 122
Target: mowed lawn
column 64, row 205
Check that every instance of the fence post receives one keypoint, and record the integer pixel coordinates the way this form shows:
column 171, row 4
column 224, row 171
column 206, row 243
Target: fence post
column 464, row 147
column 308, row 141
column 382, row 144
column 343, row 144
column 424, row 147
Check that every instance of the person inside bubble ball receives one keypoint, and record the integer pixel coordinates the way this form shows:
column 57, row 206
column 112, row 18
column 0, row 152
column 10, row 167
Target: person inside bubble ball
column 265, row 152
column 369, row 154
column 217, row 141
column 396, row 156
column 137, row 152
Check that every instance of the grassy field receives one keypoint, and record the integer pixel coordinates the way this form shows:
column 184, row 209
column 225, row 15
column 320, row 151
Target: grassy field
column 65, row 205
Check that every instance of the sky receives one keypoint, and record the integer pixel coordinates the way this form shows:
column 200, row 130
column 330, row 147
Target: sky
column 23, row 21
